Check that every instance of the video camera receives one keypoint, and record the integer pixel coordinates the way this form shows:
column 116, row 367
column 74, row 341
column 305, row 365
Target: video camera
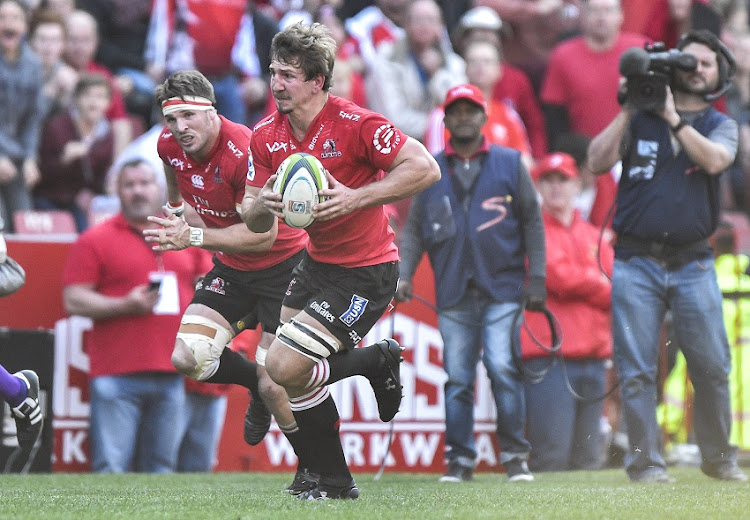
column 648, row 72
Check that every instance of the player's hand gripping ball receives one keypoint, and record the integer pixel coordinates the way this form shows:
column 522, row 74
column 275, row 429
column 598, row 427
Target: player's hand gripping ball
column 299, row 178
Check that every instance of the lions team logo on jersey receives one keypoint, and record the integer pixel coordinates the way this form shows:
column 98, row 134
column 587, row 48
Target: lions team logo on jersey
column 329, row 149
column 355, row 310
column 386, row 139
column 217, row 286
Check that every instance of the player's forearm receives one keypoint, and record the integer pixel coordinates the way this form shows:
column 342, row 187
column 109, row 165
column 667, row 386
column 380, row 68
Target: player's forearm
column 173, row 190
column 255, row 216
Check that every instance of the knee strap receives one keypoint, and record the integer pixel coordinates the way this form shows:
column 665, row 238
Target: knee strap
column 307, row 340
column 206, row 347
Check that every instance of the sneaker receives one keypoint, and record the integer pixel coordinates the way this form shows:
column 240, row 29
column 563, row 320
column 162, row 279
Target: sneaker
column 28, row 415
column 457, row 473
column 257, row 420
column 728, row 472
column 518, row 471
column 303, row 481
column 387, row 382
column 326, row 492
column 654, row 477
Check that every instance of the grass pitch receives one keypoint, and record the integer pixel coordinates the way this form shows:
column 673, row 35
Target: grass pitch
column 575, row 495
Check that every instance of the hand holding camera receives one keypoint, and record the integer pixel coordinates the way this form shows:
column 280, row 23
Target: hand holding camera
column 648, row 74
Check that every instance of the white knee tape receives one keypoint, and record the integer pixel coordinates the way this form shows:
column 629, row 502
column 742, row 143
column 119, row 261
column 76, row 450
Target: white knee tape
column 205, row 349
column 260, row 355
column 318, row 343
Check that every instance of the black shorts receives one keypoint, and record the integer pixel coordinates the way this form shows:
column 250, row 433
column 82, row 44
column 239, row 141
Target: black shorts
column 346, row 301
column 253, row 296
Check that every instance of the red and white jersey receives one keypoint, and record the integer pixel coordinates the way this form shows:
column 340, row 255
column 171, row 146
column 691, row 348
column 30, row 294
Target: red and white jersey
column 211, row 27
column 356, row 145
column 215, row 187
column 368, row 30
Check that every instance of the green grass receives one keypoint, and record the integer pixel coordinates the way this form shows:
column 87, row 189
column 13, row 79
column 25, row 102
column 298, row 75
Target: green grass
column 575, row 495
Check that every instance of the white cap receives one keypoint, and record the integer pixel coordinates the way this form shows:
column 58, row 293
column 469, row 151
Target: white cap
column 481, row 17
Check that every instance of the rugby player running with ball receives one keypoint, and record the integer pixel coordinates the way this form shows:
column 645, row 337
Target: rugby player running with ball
column 206, row 160
column 349, row 273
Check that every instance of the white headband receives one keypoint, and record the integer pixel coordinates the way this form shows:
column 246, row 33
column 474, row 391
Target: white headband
column 176, row 104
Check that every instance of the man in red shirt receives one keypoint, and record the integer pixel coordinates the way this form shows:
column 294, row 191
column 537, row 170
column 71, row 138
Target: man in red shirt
column 134, row 295
column 579, row 93
column 206, row 159
column 348, row 276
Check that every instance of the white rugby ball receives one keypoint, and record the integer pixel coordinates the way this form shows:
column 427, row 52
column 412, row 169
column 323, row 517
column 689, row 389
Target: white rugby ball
column 299, row 178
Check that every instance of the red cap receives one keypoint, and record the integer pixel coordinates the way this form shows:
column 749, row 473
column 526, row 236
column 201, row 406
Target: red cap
column 555, row 163
column 467, row 92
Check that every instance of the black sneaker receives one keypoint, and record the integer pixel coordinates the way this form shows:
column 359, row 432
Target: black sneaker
column 518, row 471
column 28, row 415
column 457, row 473
column 387, row 382
column 257, row 420
column 727, row 472
column 303, row 481
column 326, row 492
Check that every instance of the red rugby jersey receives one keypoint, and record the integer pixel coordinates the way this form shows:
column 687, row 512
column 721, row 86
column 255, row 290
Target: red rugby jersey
column 355, row 145
column 216, row 186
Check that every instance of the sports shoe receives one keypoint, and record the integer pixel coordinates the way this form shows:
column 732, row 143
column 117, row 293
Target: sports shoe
column 728, row 472
column 257, row 420
column 518, row 471
column 387, row 382
column 658, row 476
column 457, row 473
column 326, row 492
column 303, row 481
column 28, row 415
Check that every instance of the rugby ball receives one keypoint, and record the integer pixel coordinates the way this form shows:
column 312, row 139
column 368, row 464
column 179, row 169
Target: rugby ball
column 299, row 178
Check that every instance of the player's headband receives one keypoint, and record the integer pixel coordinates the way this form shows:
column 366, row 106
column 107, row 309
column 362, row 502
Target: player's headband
column 176, row 104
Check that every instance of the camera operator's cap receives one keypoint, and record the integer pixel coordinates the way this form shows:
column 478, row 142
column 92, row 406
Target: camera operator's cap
column 467, row 92
column 555, row 163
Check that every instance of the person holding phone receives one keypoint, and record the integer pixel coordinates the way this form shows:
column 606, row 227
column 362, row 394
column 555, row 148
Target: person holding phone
column 135, row 296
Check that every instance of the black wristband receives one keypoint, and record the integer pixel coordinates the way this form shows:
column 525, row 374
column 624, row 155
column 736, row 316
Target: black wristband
column 676, row 128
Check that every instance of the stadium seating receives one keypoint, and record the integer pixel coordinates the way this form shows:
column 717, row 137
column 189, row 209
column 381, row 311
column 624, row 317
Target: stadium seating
column 40, row 222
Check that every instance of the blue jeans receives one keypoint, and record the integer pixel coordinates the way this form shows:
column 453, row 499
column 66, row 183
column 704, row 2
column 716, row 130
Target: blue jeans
column 642, row 290
column 565, row 432
column 14, row 196
column 478, row 325
column 203, row 422
column 133, row 422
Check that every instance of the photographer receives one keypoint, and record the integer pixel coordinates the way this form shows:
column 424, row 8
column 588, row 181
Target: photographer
column 667, row 208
